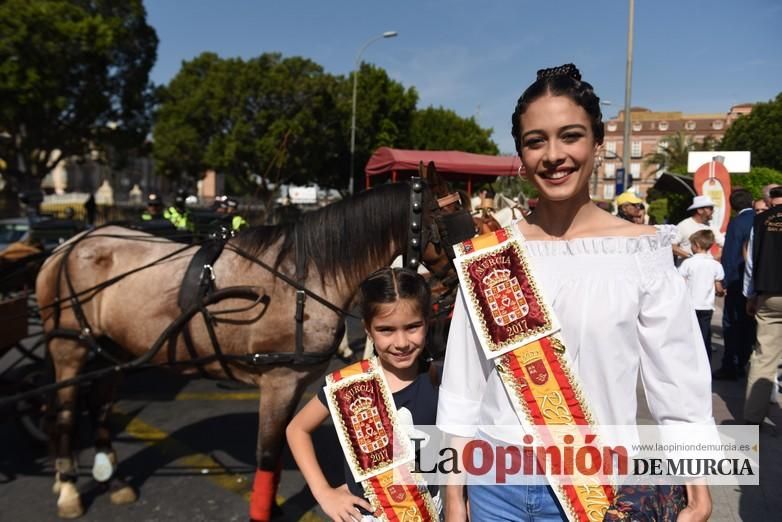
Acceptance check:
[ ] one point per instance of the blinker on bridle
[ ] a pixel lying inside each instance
(447, 230)
(412, 257)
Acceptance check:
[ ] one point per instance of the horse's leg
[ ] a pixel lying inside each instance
(68, 357)
(104, 466)
(344, 351)
(280, 391)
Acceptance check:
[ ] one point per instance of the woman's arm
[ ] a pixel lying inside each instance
(674, 367)
(698, 504)
(337, 503)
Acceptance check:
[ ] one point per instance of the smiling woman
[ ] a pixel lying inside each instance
(557, 261)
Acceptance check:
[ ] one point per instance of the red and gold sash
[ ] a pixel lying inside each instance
(376, 447)
(517, 329)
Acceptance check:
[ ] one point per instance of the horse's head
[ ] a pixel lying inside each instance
(451, 222)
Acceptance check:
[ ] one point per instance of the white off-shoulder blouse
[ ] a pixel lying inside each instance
(623, 308)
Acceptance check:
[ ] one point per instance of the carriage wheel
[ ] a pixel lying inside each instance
(31, 413)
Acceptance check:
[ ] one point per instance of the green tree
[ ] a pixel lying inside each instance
(269, 116)
(759, 132)
(674, 151)
(756, 179)
(74, 77)
(283, 119)
(443, 129)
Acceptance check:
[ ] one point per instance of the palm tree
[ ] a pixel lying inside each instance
(674, 150)
(671, 154)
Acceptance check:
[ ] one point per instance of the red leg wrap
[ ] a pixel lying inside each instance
(262, 497)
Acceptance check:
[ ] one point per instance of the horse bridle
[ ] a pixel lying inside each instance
(451, 224)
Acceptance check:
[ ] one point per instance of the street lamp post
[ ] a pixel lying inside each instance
(628, 82)
(387, 34)
(599, 161)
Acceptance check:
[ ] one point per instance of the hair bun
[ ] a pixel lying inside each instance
(568, 69)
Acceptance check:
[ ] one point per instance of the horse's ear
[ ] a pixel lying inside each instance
(421, 172)
(438, 184)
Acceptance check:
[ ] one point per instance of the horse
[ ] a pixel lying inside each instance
(114, 291)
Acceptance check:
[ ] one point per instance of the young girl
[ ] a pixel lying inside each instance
(395, 309)
(621, 305)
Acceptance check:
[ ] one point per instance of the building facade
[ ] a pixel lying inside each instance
(649, 133)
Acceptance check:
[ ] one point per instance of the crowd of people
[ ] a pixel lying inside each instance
(714, 264)
(224, 208)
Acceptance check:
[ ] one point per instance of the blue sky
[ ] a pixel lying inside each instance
(475, 57)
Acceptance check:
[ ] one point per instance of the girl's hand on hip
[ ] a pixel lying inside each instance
(340, 504)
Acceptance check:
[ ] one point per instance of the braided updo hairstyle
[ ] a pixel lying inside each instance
(564, 80)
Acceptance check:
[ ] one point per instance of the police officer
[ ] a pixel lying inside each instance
(177, 213)
(154, 208)
(232, 211)
(227, 207)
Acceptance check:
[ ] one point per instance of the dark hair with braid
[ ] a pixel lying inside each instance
(388, 285)
(564, 80)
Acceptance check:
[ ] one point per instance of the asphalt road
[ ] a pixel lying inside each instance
(187, 445)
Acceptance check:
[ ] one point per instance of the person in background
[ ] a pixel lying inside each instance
(759, 205)
(629, 207)
(704, 278)
(227, 208)
(177, 213)
(154, 208)
(767, 193)
(232, 212)
(701, 211)
(90, 209)
(641, 218)
(738, 328)
(763, 290)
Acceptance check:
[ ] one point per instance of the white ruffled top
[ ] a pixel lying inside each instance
(624, 312)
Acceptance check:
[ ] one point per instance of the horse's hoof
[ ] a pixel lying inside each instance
(69, 503)
(123, 495)
(102, 468)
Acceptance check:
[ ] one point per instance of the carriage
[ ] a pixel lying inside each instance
(266, 307)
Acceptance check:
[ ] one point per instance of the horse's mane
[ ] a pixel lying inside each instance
(345, 239)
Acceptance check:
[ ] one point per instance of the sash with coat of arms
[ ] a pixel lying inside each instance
(376, 447)
(517, 329)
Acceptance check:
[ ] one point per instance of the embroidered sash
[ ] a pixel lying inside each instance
(376, 447)
(518, 330)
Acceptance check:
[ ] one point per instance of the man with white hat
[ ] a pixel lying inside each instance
(701, 211)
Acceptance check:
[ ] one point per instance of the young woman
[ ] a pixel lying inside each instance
(395, 309)
(611, 283)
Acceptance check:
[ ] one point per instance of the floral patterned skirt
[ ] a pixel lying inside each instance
(647, 504)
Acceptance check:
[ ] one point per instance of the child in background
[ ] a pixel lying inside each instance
(704, 278)
(395, 308)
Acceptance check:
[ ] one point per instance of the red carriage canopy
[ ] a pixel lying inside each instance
(454, 165)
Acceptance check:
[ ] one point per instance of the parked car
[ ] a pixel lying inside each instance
(12, 230)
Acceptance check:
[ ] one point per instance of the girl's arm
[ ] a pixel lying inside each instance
(456, 507)
(337, 503)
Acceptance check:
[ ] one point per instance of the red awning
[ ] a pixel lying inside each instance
(453, 164)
